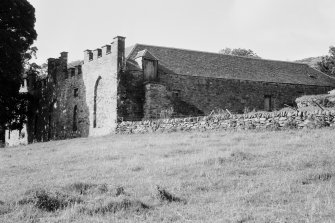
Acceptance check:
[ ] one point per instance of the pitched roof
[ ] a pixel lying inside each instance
(145, 54)
(206, 64)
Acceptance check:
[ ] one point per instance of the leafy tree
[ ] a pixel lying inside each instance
(327, 63)
(17, 33)
(239, 52)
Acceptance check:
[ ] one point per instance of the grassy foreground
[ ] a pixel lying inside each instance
(247, 176)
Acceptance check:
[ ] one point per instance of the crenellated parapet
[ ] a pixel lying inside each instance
(115, 48)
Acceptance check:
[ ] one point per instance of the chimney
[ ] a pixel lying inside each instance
(120, 47)
(63, 56)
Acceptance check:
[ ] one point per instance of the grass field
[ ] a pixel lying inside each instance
(247, 176)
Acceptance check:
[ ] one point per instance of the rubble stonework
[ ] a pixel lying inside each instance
(258, 121)
(114, 84)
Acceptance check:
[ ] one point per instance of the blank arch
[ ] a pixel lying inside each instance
(95, 102)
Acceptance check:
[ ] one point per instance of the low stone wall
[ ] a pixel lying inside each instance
(258, 120)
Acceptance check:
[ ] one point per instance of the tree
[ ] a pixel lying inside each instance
(327, 63)
(17, 34)
(239, 52)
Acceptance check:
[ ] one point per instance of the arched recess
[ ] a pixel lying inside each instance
(75, 117)
(95, 102)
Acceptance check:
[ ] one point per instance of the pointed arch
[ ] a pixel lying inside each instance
(95, 102)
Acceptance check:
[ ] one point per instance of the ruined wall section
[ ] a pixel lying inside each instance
(59, 108)
(101, 73)
(131, 95)
(208, 94)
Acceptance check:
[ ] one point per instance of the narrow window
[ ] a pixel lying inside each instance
(267, 103)
(73, 72)
(8, 134)
(79, 69)
(95, 102)
(75, 92)
(90, 57)
(74, 125)
(175, 93)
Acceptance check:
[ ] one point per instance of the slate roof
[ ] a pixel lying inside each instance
(145, 54)
(215, 65)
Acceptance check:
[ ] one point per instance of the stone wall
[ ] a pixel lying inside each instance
(208, 94)
(157, 100)
(131, 95)
(101, 76)
(260, 120)
(159, 103)
(60, 109)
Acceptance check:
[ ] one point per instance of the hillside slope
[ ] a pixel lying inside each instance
(311, 61)
(219, 176)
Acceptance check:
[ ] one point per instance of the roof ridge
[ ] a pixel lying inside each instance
(132, 50)
(219, 54)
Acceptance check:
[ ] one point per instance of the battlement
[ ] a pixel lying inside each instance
(100, 53)
(90, 55)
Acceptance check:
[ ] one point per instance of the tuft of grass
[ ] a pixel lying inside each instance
(318, 177)
(86, 188)
(114, 206)
(241, 156)
(120, 191)
(163, 195)
(4, 208)
(48, 201)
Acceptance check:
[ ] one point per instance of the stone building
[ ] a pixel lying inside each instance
(114, 84)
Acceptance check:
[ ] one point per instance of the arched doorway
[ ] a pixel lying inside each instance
(96, 101)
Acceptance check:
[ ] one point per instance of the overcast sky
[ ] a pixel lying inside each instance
(274, 29)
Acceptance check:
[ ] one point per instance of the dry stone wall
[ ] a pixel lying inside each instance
(260, 120)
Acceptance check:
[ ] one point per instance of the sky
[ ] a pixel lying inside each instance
(274, 29)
